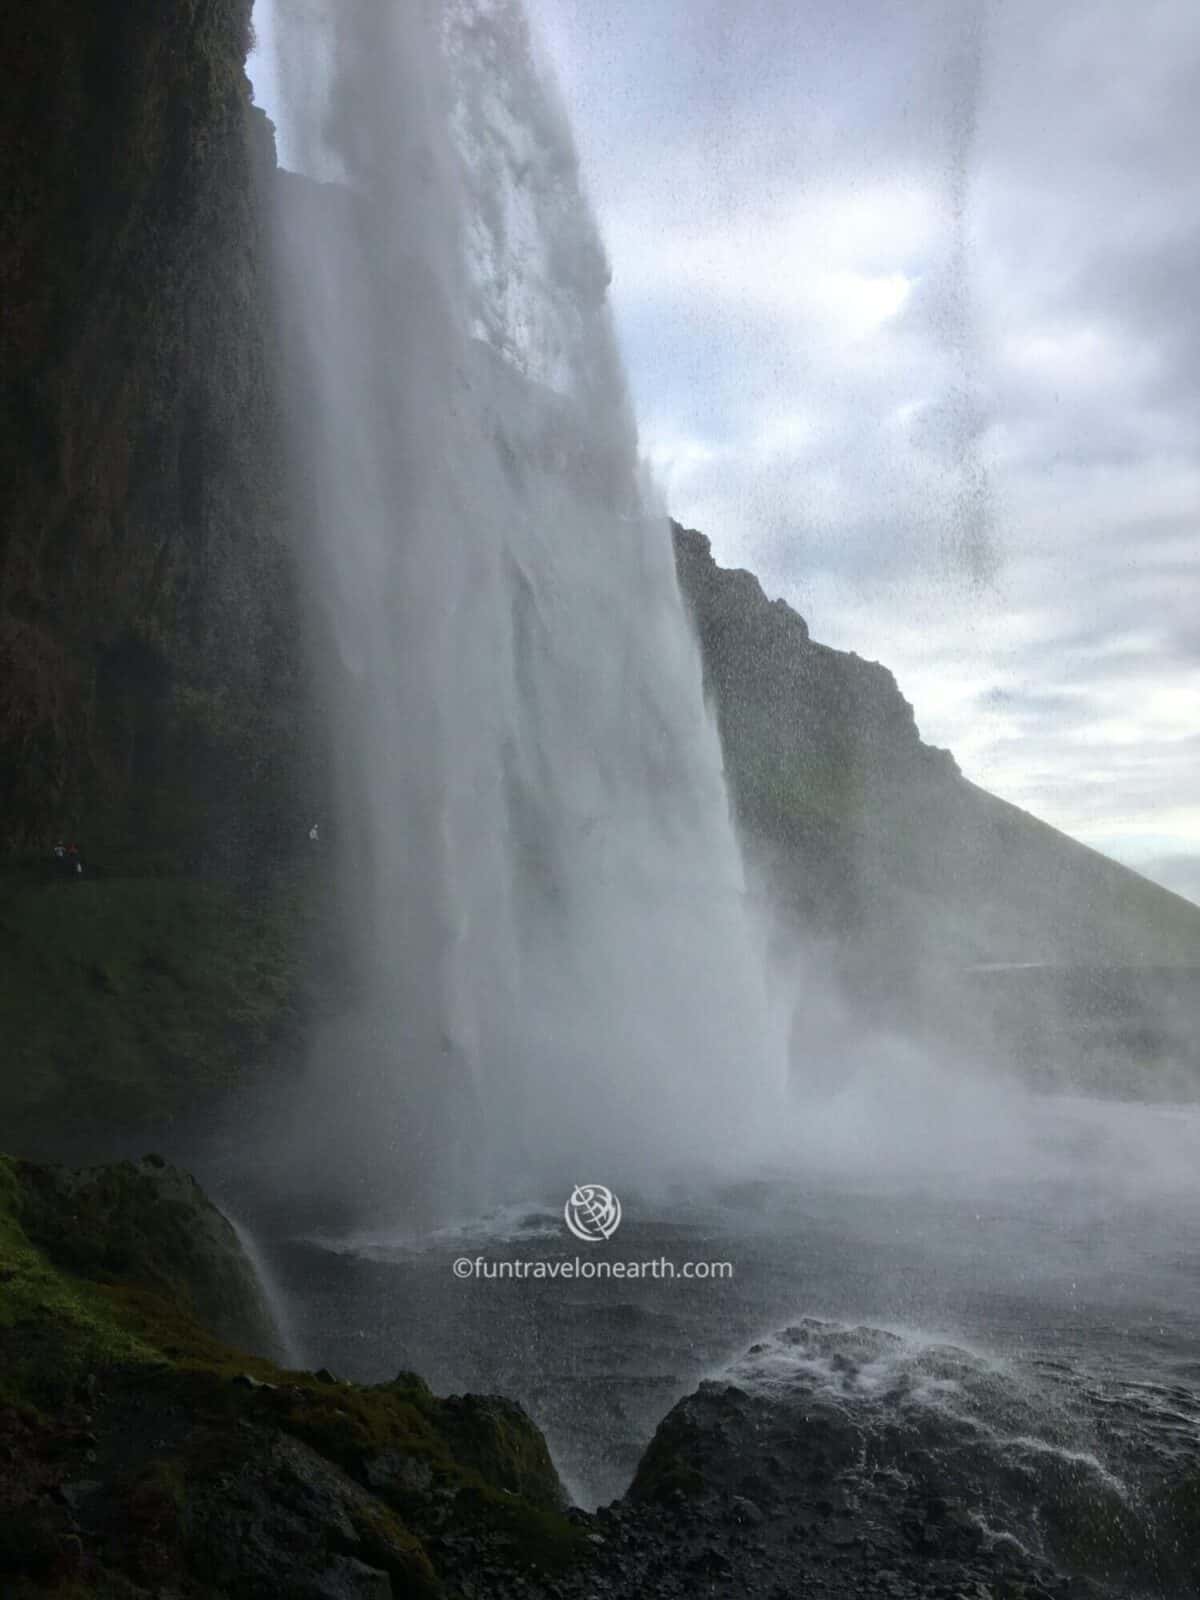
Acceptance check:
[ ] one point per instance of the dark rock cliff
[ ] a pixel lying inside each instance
(149, 679)
(154, 703)
(816, 741)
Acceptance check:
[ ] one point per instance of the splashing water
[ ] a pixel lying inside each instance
(561, 982)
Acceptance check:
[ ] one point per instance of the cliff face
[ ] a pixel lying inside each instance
(817, 742)
(149, 683)
(154, 703)
(874, 843)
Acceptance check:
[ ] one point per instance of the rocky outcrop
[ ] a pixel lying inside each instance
(848, 1463)
(141, 1454)
(147, 1224)
(817, 742)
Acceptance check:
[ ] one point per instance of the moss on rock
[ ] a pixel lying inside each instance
(126, 1003)
(143, 1450)
(148, 1226)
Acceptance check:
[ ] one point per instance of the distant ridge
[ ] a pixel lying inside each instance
(873, 844)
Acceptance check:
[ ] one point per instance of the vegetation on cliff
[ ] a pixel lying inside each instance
(138, 1450)
(877, 835)
(128, 1005)
(872, 844)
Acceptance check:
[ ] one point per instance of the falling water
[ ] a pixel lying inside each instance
(560, 977)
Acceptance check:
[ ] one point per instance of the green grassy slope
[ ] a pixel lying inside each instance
(874, 840)
(125, 1002)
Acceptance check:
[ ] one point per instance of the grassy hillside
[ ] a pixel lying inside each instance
(872, 844)
(126, 1003)
(877, 835)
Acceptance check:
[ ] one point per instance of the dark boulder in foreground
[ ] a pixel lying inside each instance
(846, 1462)
(850, 1461)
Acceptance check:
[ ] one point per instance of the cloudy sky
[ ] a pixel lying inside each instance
(909, 292)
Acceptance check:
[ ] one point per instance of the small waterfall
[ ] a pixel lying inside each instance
(286, 1349)
(561, 981)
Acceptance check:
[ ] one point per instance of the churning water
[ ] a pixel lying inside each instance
(560, 976)
(1022, 1336)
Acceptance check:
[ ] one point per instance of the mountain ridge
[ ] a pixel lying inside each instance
(781, 697)
(907, 884)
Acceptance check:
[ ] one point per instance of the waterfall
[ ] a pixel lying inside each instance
(560, 976)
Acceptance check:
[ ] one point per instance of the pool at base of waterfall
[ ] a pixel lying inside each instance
(1009, 1363)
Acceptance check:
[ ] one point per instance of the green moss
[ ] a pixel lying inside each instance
(464, 1465)
(779, 790)
(498, 1440)
(358, 1429)
(526, 1537)
(484, 1455)
(53, 1328)
(147, 1225)
(388, 1544)
(57, 1324)
(126, 1000)
(353, 1425)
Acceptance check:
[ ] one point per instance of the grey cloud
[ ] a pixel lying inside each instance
(1036, 397)
(1180, 873)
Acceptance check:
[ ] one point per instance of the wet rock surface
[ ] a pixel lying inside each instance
(751, 1504)
(847, 1463)
(178, 1481)
(740, 1502)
